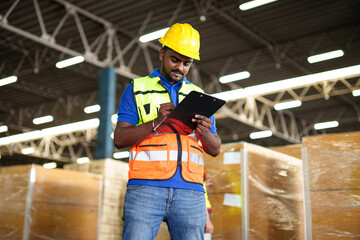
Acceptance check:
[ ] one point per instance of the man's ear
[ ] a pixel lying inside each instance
(161, 54)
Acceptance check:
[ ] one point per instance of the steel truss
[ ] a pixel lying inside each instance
(65, 147)
(256, 111)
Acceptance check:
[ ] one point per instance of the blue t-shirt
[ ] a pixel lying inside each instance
(128, 113)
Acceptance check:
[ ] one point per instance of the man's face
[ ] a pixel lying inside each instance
(174, 66)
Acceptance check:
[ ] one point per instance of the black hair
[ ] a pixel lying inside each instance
(165, 48)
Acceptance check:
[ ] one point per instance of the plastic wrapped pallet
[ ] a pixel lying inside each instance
(38, 203)
(115, 174)
(291, 150)
(257, 193)
(333, 163)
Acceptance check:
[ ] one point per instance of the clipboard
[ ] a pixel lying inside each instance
(180, 119)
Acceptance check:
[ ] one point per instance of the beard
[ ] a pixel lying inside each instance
(174, 75)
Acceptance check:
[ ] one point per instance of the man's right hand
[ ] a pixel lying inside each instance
(164, 110)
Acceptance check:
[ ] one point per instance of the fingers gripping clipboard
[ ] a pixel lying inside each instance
(180, 119)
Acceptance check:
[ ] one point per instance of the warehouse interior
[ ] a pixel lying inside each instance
(272, 43)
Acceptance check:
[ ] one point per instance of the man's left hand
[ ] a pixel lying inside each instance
(203, 124)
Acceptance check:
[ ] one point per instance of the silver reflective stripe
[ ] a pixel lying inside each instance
(196, 158)
(173, 155)
(162, 156)
(132, 155)
(153, 156)
(150, 156)
(184, 157)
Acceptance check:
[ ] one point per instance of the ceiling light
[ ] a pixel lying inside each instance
(3, 128)
(123, 154)
(92, 108)
(50, 165)
(324, 125)
(52, 131)
(325, 56)
(261, 134)
(114, 118)
(254, 4)
(234, 77)
(153, 35)
(29, 150)
(82, 160)
(42, 120)
(272, 87)
(70, 62)
(356, 93)
(8, 80)
(287, 105)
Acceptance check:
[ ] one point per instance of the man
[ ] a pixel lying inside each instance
(165, 169)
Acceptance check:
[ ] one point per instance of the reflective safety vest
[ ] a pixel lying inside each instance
(149, 94)
(158, 156)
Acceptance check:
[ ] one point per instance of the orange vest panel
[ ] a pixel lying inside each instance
(158, 156)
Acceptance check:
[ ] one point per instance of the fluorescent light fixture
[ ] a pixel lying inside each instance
(8, 80)
(324, 125)
(52, 131)
(3, 128)
(325, 56)
(254, 4)
(356, 93)
(29, 150)
(287, 105)
(234, 77)
(70, 61)
(82, 160)
(261, 134)
(114, 118)
(153, 35)
(50, 165)
(43, 119)
(123, 154)
(296, 82)
(92, 108)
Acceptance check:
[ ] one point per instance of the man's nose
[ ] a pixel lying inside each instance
(180, 66)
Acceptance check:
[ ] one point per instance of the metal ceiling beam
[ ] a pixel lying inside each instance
(50, 41)
(66, 147)
(253, 119)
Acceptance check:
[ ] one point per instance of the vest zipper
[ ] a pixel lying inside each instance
(179, 150)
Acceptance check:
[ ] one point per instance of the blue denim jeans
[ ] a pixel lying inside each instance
(146, 207)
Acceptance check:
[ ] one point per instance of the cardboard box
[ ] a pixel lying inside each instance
(115, 174)
(333, 162)
(257, 190)
(48, 203)
(292, 150)
(336, 214)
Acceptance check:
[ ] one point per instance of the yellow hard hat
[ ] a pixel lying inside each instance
(184, 39)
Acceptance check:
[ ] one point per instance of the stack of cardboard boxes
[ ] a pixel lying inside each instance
(258, 193)
(39, 203)
(333, 162)
(115, 175)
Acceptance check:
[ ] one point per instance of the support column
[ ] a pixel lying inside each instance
(107, 92)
